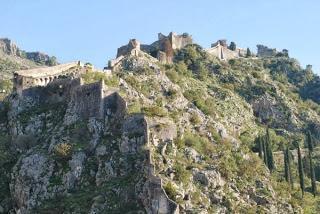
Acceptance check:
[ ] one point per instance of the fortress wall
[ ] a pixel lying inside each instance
(87, 100)
(115, 105)
(264, 51)
(47, 71)
(215, 51)
(57, 91)
(223, 53)
(133, 44)
(25, 79)
(180, 41)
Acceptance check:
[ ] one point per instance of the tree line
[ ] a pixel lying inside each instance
(266, 154)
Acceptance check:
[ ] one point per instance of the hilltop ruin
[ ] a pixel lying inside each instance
(221, 50)
(163, 49)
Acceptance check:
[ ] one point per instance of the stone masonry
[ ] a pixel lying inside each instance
(25, 79)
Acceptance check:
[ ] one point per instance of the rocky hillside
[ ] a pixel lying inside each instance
(175, 137)
(12, 58)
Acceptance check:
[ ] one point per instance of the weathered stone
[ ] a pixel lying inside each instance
(30, 180)
(209, 178)
(76, 165)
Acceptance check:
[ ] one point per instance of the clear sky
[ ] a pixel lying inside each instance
(92, 30)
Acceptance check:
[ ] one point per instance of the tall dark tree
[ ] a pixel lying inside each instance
(248, 54)
(270, 160)
(289, 159)
(312, 173)
(260, 145)
(265, 156)
(287, 166)
(232, 46)
(300, 169)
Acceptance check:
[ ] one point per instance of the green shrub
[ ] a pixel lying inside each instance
(195, 119)
(63, 151)
(91, 77)
(200, 144)
(181, 174)
(173, 76)
(206, 105)
(154, 111)
(170, 191)
(171, 93)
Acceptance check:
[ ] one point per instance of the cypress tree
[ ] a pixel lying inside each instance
(260, 147)
(309, 141)
(265, 157)
(313, 177)
(270, 161)
(286, 167)
(233, 46)
(312, 173)
(300, 167)
(248, 54)
(288, 153)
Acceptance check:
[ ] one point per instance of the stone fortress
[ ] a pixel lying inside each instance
(163, 49)
(221, 50)
(64, 83)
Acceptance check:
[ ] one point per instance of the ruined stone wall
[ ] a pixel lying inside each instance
(25, 79)
(87, 101)
(124, 50)
(114, 104)
(58, 90)
(220, 50)
(264, 51)
(180, 41)
(223, 53)
(154, 197)
(167, 45)
(136, 140)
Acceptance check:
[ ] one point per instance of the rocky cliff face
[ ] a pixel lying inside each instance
(174, 138)
(8, 47)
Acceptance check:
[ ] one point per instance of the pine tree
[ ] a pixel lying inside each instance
(312, 173)
(300, 167)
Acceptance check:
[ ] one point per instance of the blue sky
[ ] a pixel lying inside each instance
(93, 30)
